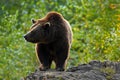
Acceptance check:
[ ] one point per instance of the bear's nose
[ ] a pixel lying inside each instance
(25, 37)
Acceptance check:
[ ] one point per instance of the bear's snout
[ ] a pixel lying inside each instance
(30, 38)
(25, 37)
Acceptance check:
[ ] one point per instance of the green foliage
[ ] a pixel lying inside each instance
(95, 25)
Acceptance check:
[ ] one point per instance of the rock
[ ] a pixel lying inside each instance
(94, 70)
(116, 77)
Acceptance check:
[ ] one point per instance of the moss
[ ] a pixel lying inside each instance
(109, 72)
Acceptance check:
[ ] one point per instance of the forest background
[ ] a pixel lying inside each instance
(95, 25)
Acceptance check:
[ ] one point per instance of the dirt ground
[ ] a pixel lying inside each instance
(94, 70)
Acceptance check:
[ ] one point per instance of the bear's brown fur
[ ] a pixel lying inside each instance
(53, 37)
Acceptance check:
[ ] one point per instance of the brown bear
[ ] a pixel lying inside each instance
(53, 37)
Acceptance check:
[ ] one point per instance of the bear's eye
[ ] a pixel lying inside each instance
(32, 33)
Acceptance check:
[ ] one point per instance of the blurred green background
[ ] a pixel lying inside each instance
(95, 25)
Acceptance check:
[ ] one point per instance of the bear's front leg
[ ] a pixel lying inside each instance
(44, 57)
(61, 60)
(60, 65)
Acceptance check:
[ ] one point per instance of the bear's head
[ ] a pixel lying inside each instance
(46, 29)
(40, 32)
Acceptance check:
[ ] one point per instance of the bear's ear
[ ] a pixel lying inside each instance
(33, 21)
(47, 24)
